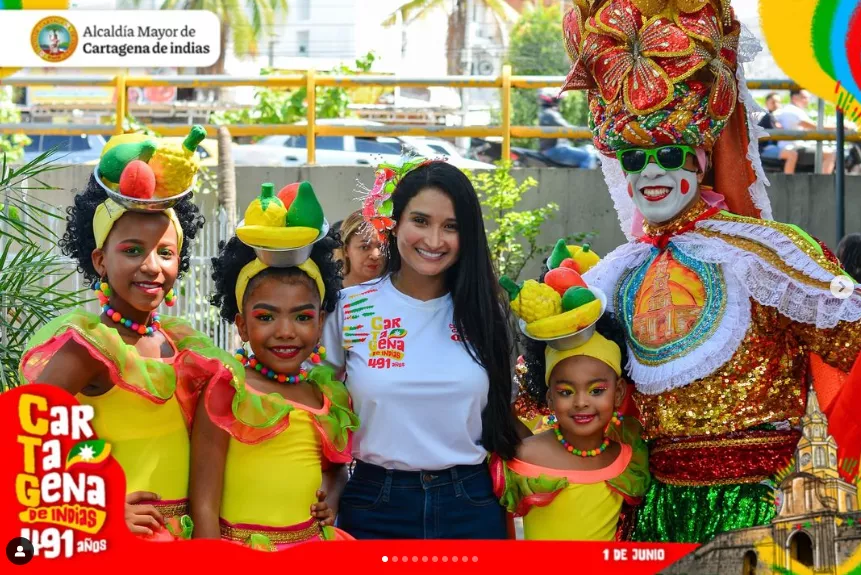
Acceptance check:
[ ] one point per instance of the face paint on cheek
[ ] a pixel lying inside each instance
(630, 190)
(686, 187)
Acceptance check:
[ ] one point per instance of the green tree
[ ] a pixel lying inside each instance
(247, 23)
(512, 233)
(288, 106)
(457, 18)
(537, 49)
(11, 145)
(32, 278)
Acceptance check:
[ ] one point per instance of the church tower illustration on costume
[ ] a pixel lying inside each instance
(670, 303)
(817, 451)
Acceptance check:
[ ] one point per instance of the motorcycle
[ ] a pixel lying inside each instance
(807, 161)
(491, 151)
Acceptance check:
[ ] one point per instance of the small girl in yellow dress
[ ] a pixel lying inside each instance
(269, 447)
(580, 479)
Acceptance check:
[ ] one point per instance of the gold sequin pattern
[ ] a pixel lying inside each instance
(839, 346)
(690, 214)
(730, 481)
(276, 537)
(766, 254)
(796, 238)
(743, 441)
(762, 383)
(172, 509)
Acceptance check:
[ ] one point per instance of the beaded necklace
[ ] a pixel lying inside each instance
(242, 356)
(554, 424)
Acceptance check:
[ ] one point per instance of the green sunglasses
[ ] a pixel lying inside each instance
(635, 160)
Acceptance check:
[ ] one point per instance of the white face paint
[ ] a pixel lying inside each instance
(661, 195)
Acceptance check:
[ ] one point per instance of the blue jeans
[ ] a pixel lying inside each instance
(570, 156)
(454, 503)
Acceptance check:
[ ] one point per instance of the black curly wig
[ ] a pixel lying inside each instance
(234, 255)
(78, 242)
(533, 356)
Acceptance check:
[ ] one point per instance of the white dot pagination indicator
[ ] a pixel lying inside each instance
(432, 559)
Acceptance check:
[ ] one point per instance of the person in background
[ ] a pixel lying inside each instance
(771, 149)
(361, 252)
(849, 254)
(794, 117)
(560, 151)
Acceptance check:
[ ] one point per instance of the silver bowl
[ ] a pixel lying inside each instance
(576, 339)
(141, 205)
(290, 257)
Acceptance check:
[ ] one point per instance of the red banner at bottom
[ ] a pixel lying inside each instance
(62, 503)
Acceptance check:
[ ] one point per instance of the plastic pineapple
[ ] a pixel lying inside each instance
(175, 165)
(271, 223)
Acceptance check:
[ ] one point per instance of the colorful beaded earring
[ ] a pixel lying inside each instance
(103, 292)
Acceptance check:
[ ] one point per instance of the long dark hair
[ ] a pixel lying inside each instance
(849, 254)
(479, 311)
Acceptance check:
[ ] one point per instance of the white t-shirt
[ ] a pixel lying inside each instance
(417, 392)
(790, 116)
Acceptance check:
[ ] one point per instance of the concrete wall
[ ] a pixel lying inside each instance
(585, 205)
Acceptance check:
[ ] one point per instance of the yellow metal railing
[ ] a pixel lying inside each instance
(310, 80)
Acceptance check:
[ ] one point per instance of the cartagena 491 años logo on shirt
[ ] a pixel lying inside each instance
(54, 39)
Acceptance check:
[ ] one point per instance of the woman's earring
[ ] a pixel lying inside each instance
(319, 354)
(240, 354)
(103, 290)
(615, 420)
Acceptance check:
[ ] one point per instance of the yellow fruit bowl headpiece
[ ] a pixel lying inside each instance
(562, 310)
(142, 173)
(283, 228)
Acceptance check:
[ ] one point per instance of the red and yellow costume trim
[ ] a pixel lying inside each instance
(608, 494)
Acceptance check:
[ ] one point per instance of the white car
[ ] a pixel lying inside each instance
(342, 150)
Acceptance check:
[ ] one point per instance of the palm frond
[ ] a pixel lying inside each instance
(35, 281)
(503, 10)
(413, 10)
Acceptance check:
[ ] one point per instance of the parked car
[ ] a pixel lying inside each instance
(83, 149)
(435, 147)
(341, 150)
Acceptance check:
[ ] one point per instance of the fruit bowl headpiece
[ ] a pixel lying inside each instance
(145, 174)
(562, 310)
(377, 204)
(282, 229)
(662, 72)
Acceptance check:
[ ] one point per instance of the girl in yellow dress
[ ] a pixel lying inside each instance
(131, 366)
(579, 479)
(269, 447)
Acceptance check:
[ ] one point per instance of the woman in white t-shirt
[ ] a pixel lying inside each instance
(427, 355)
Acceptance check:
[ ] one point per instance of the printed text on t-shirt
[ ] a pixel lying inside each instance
(387, 343)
